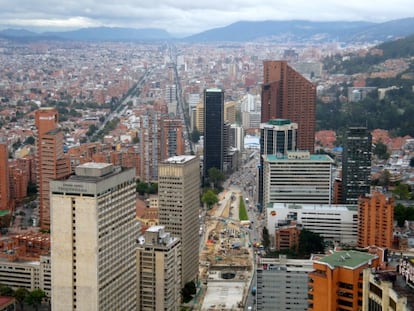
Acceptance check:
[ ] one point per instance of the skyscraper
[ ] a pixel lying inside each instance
(4, 177)
(356, 164)
(286, 94)
(159, 271)
(178, 203)
(52, 164)
(94, 234)
(276, 137)
(213, 130)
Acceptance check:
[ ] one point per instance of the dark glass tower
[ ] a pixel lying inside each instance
(213, 130)
(276, 137)
(356, 164)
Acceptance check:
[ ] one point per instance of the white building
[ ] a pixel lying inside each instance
(297, 177)
(94, 233)
(337, 223)
(159, 271)
(26, 274)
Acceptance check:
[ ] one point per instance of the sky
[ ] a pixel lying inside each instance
(183, 17)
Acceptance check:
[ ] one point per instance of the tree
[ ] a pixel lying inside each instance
(209, 198)
(216, 177)
(6, 290)
(402, 191)
(30, 140)
(20, 294)
(188, 291)
(381, 151)
(385, 178)
(309, 242)
(142, 187)
(195, 136)
(265, 238)
(35, 298)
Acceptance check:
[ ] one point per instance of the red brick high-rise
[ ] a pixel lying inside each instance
(52, 164)
(286, 94)
(4, 177)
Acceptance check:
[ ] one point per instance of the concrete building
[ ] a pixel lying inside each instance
(4, 177)
(286, 94)
(356, 165)
(213, 152)
(230, 112)
(150, 144)
(52, 164)
(335, 283)
(277, 137)
(178, 203)
(159, 271)
(336, 223)
(375, 220)
(283, 283)
(287, 236)
(381, 291)
(27, 274)
(172, 139)
(94, 234)
(297, 177)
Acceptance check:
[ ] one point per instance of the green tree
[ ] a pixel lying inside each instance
(6, 290)
(188, 291)
(402, 191)
(216, 177)
(309, 242)
(209, 198)
(265, 238)
(153, 188)
(30, 140)
(142, 187)
(399, 214)
(35, 298)
(385, 178)
(195, 135)
(20, 294)
(381, 151)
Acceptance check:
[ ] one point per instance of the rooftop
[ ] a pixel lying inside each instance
(313, 207)
(285, 158)
(347, 259)
(179, 159)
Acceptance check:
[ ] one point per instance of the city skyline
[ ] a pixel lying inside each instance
(184, 18)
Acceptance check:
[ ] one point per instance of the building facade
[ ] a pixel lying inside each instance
(178, 203)
(51, 162)
(336, 282)
(290, 291)
(159, 271)
(286, 94)
(297, 177)
(356, 164)
(277, 137)
(375, 220)
(213, 154)
(336, 223)
(4, 177)
(94, 234)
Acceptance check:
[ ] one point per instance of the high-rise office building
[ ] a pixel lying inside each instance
(213, 130)
(356, 165)
(286, 94)
(52, 164)
(94, 233)
(375, 220)
(172, 140)
(4, 177)
(297, 177)
(178, 203)
(159, 271)
(277, 137)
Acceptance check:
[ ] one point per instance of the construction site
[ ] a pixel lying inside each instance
(226, 257)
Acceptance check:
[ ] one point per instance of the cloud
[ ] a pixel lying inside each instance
(190, 16)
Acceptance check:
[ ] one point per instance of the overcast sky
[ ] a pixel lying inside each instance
(189, 16)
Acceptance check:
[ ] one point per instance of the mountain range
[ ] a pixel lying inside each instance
(276, 31)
